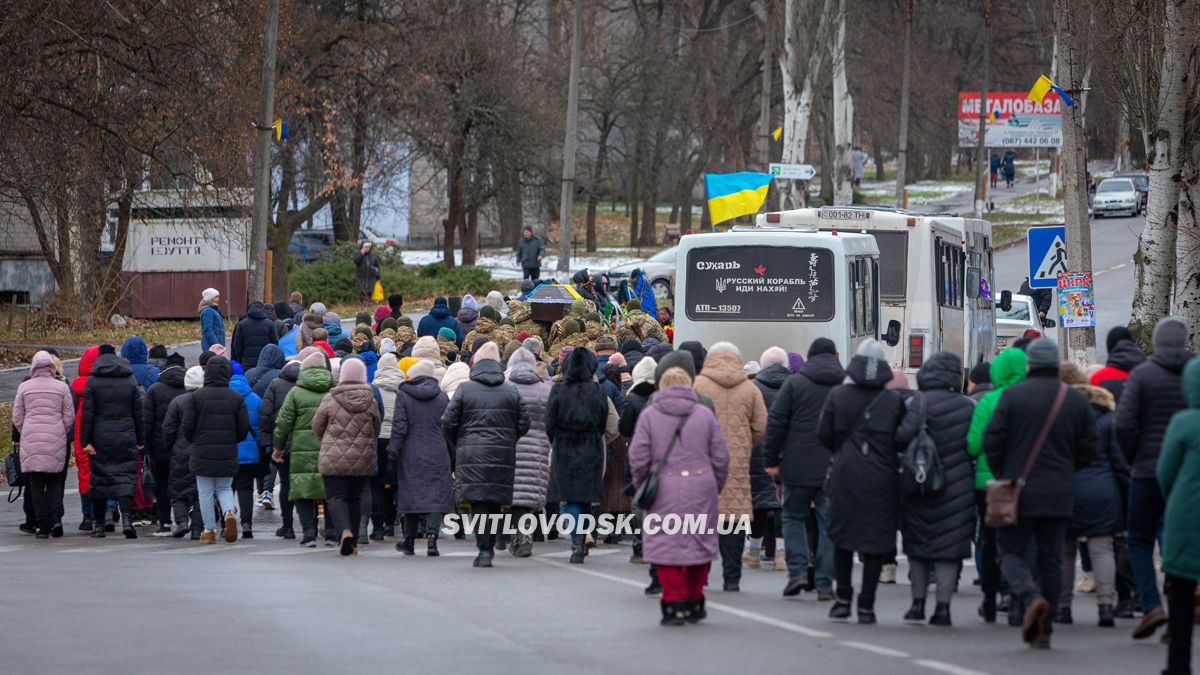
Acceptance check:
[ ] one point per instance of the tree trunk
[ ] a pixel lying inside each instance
(905, 86)
(1187, 279)
(1072, 71)
(470, 244)
(843, 116)
(799, 88)
(597, 177)
(1154, 263)
(509, 204)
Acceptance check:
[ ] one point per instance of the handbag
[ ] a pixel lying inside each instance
(921, 471)
(1004, 496)
(648, 490)
(13, 475)
(864, 422)
(148, 481)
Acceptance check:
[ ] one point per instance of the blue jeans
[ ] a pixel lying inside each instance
(1145, 516)
(576, 509)
(222, 488)
(795, 535)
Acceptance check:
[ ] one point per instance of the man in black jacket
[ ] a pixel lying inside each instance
(1047, 499)
(793, 453)
(483, 422)
(530, 252)
(158, 397)
(214, 422)
(251, 334)
(1151, 395)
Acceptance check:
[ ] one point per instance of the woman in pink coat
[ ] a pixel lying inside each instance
(688, 486)
(44, 412)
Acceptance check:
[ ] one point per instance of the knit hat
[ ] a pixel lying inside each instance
(509, 349)
(725, 348)
(478, 343)
(315, 360)
(522, 336)
(362, 319)
(386, 361)
(773, 356)
(489, 312)
(317, 308)
(1043, 353)
(618, 359)
(822, 346)
(387, 323)
(354, 371)
(644, 371)
(981, 373)
(697, 351)
(193, 379)
(158, 352)
(427, 348)
(422, 369)
(468, 302)
(521, 356)
(487, 352)
(217, 349)
(344, 346)
(871, 349)
(495, 299)
(606, 344)
(331, 317)
(203, 360)
(526, 286)
(387, 346)
(1116, 335)
(209, 294)
(658, 351)
(320, 334)
(534, 344)
(899, 380)
(630, 346)
(448, 334)
(751, 367)
(305, 353)
(634, 305)
(176, 359)
(1170, 332)
(404, 321)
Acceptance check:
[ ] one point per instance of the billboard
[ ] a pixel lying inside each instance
(1014, 121)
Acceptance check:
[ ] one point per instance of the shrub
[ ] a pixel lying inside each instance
(332, 280)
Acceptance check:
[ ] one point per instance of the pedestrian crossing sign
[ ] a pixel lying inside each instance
(1047, 247)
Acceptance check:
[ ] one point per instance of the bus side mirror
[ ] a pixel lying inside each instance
(892, 336)
(1005, 301)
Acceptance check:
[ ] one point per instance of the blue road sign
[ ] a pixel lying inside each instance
(1047, 247)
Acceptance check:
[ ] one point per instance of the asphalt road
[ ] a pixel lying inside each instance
(80, 605)
(1114, 241)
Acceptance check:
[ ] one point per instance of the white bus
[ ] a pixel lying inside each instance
(759, 287)
(935, 280)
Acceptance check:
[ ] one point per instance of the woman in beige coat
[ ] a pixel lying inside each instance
(743, 418)
(347, 423)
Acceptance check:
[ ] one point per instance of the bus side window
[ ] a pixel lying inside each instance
(950, 261)
(871, 279)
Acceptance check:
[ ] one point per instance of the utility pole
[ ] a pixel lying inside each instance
(905, 79)
(981, 145)
(262, 163)
(1071, 74)
(568, 179)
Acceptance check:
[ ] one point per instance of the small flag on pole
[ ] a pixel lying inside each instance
(281, 130)
(1044, 86)
(777, 133)
(735, 194)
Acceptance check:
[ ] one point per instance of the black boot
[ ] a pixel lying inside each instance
(376, 528)
(406, 546)
(431, 549)
(127, 525)
(86, 525)
(654, 588)
(1107, 614)
(98, 527)
(696, 612)
(577, 549)
(484, 559)
(917, 611)
(866, 613)
(841, 606)
(987, 610)
(673, 613)
(1064, 616)
(941, 615)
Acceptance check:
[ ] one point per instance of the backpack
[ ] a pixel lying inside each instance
(921, 473)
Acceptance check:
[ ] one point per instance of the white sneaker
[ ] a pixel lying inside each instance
(888, 574)
(1086, 583)
(266, 503)
(752, 557)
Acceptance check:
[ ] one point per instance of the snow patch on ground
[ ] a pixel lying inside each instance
(923, 192)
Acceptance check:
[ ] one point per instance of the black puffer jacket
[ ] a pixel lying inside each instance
(791, 441)
(272, 401)
(111, 422)
(940, 528)
(251, 334)
(576, 413)
(864, 496)
(1101, 487)
(214, 422)
(1152, 394)
(635, 401)
(484, 420)
(1071, 444)
(182, 481)
(154, 410)
(769, 381)
(270, 361)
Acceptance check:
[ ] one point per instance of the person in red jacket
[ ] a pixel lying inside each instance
(1123, 356)
(81, 457)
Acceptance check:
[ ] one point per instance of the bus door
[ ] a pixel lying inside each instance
(949, 260)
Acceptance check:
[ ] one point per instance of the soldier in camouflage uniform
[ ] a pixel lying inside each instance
(638, 325)
(489, 327)
(522, 318)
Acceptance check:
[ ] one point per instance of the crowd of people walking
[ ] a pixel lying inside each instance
(380, 432)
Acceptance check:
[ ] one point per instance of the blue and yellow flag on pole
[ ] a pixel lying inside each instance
(735, 194)
(1045, 85)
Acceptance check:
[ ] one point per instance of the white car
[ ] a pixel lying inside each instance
(1021, 320)
(659, 268)
(1117, 195)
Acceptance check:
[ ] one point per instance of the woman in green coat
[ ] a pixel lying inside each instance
(1179, 478)
(293, 430)
(1007, 370)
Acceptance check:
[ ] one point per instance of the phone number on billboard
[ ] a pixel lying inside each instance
(725, 309)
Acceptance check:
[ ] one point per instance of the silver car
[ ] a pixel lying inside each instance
(658, 268)
(1117, 195)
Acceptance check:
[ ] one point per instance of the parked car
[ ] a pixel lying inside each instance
(659, 268)
(1140, 181)
(1021, 320)
(1117, 195)
(311, 245)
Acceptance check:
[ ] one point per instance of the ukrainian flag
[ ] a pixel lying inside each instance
(735, 194)
(1045, 85)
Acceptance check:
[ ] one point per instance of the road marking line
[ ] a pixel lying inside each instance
(875, 649)
(944, 667)
(10, 549)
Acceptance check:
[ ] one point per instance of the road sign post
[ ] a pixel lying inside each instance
(792, 171)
